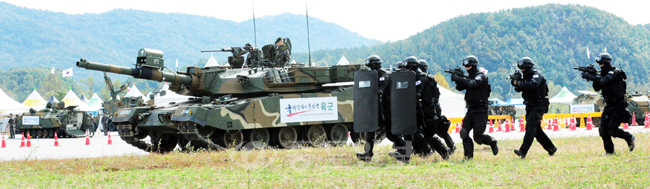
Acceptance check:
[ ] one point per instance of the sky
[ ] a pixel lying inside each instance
(385, 20)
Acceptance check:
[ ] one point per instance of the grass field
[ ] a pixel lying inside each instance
(579, 163)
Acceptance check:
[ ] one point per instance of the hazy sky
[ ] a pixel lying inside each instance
(378, 19)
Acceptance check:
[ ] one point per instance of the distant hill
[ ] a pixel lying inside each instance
(555, 36)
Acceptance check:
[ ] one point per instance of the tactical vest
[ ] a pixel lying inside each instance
(478, 96)
(614, 91)
(538, 95)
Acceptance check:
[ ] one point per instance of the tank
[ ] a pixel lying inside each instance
(111, 106)
(55, 119)
(639, 104)
(234, 108)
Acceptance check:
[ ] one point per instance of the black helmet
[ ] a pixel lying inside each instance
(373, 59)
(525, 62)
(423, 65)
(470, 60)
(411, 61)
(399, 65)
(604, 58)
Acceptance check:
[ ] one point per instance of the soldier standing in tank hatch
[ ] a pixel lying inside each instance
(534, 90)
(476, 98)
(612, 83)
(374, 63)
(441, 129)
(254, 57)
(426, 93)
(282, 54)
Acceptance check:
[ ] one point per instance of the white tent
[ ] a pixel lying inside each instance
(10, 105)
(564, 97)
(343, 61)
(135, 92)
(71, 99)
(35, 101)
(170, 96)
(211, 62)
(83, 98)
(52, 99)
(95, 102)
(452, 104)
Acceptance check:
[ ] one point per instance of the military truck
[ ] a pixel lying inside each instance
(241, 107)
(55, 119)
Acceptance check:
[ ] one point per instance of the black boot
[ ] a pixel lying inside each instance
(552, 151)
(400, 157)
(630, 143)
(495, 148)
(520, 154)
(364, 156)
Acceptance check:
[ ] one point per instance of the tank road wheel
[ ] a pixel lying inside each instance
(316, 135)
(230, 140)
(50, 133)
(338, 134)
(285, 137)
(258, 138)
(163, 144)
(44, 133)
(39, 134)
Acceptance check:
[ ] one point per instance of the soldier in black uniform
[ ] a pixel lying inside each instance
(374, 63)
(534, 90)
(612, 83)
(439, 127)
(476, 99)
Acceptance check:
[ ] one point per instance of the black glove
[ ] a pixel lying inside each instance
(455, 78)
(512, 82)
(588, 76)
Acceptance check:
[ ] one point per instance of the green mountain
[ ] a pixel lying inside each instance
(555, 36)
(36, 38)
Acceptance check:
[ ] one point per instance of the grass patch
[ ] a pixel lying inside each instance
(579, 163)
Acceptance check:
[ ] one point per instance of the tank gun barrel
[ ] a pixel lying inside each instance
(141, 72)
(219, 50)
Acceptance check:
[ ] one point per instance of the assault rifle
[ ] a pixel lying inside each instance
(589, 69)
(458, 71)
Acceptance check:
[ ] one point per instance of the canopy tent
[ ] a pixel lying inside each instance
(83, 98)
(564, 97)
(452, 104)
(10, 105)
(135, 92)
(35, 101)
(52, 99)
(95, 102)
(170, 96)
(497, 102)
(71, 99)
(211, 62)
(343, 61)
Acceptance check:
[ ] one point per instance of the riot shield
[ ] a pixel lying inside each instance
(403, 103)
(366, 101)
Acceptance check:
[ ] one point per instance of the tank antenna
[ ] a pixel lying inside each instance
(254, 26)
(308, 43)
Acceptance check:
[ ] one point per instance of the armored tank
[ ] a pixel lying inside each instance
(233, 108)
(55, 119)
(639, 104)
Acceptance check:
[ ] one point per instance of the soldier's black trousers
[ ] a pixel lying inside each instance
(612, 117)
(370, 140)
(476, 121)
(11, 131)
(534, 129)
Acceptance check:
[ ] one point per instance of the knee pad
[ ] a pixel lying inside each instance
(464, 133)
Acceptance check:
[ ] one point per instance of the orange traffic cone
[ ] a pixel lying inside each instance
(110, 141)
(573, 123)
(4, 145)
(556, 127)
(458, 126)
(522, 126)
(56, 139)
(590, 124)
(512, 124)
(499, 126)
(29, 142)
(646, 123)
(625, 126)
(87, 139)
(634, 120)
(491, 126)
(22, 140)
(550, 124)
(507, 125)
